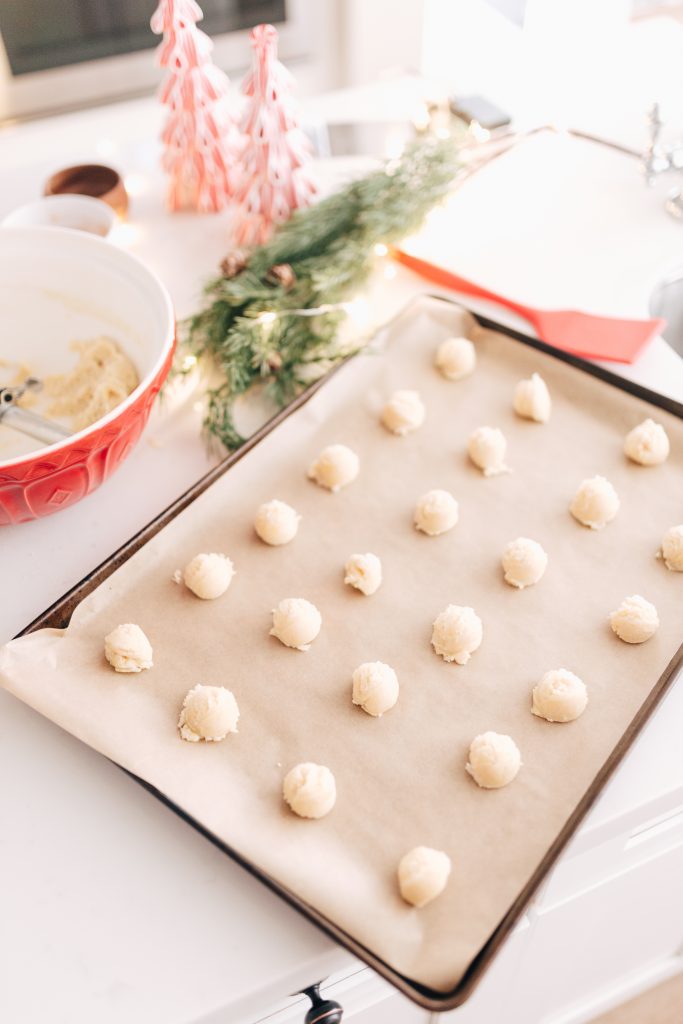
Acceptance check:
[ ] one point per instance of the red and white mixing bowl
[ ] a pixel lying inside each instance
(58, 286)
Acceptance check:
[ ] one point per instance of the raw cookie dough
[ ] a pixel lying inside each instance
(276, 522)
(647, 444)
(127, 649)
(457, 633)
(494, 760)
(310, 790)
(672, 548)
(335, 467)
(524, 562)
(532, 399)
(423, 874)
(103, 378)
(635, 620)
(486, 448)
(375, 687)
(364, 573)
(596, 503)
(436, 512)
(559, 696)
(456, 358)
(403, 412)
(208, 713)
(296, 623)
(208, 576)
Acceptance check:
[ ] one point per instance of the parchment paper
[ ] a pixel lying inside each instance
(401, 779)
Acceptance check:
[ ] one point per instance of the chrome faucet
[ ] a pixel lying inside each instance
(660, 157)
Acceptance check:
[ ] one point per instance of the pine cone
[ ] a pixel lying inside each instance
(234, 263)
(281, 274)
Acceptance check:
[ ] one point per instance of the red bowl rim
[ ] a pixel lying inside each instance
(149, 377)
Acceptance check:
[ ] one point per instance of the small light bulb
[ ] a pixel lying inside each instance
(267, 318)
(189, 362)
(381, 249)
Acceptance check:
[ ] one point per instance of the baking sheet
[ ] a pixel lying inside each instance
(400, 779)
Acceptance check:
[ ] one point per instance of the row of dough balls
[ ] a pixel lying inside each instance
(595, 503)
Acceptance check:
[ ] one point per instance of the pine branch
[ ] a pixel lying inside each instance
(329, 247)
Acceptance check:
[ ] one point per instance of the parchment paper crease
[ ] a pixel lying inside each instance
(401, 779)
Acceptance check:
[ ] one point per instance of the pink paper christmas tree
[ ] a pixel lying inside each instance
(201, 141)
(273, 178)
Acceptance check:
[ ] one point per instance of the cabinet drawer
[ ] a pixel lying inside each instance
(616, 855)
(584, 944)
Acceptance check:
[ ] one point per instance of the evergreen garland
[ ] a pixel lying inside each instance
(318, 258)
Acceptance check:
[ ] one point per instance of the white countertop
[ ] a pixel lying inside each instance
(117, 910)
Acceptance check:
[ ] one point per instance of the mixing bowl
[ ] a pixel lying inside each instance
(58, 286)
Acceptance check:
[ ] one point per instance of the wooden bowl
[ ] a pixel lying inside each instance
(90, 180)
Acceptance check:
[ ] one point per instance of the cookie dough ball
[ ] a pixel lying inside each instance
(457, 633)
(310, 790)
(596, 503)
(375, 687)
(532, 399)
(672, 548)
(276, 522)
(635, 620)
(403, 412)
(296, 623)
(647, 444)
(456, 358)
(364, 573)
(559, 696)
(335, 467)
(494, 760)
(127, 649)
(423, 874)
(208, 576)
(524, 562)
(486, 448)
(436, 512)
(208, 713)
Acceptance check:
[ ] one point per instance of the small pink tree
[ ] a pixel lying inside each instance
(273, 178)
(200, 139)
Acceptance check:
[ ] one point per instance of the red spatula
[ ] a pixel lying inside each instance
(583, 334)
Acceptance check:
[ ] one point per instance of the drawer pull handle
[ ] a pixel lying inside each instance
(322, 1011)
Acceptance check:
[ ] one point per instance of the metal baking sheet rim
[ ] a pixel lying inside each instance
(58, 615)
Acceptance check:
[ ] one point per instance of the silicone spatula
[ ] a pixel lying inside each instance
(582, 334)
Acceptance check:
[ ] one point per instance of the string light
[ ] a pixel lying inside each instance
(381, 249)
